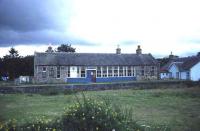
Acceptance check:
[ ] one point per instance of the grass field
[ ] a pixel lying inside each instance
(178, 109)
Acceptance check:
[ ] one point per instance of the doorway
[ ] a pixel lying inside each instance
(91, 74)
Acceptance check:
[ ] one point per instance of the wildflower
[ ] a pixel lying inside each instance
(92, 117)
(97, 128)
(113, 129)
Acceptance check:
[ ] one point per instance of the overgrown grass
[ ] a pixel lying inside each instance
(160, 109)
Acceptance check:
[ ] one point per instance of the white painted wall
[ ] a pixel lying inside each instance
(173, 69)
(73, 72)
(195, 72)
(183, 75)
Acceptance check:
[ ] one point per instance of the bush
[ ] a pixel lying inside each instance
(92, 115)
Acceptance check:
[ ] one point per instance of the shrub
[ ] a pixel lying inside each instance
(92, 115)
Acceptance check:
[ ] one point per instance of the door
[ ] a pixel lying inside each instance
(91, 74)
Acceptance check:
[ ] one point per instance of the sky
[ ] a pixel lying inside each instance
(159, 26)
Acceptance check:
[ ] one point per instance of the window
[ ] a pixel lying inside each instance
(116, 71)
(99, 71)
(132, 71)
(129, 71)
(142, 70)
(152, 71)
(125, 71)
(104, 69)
(78, 71)
(58, 71)
(82, 71)
(68, 71)
(44, 74)
(120, 71)
(44, 69)
(51, 72)
(110, 71)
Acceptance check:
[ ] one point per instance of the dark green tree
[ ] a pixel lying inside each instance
(13, 53)
(13, 65)
(66, 48)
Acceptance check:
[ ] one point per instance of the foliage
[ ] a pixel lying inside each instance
(65, 48)
(13, 53)
(163, 61)
(91, 115)
(14, 66)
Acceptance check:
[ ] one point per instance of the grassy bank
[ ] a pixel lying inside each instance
(178, 109)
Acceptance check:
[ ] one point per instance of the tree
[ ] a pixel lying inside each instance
(65, 48)
(13, 54)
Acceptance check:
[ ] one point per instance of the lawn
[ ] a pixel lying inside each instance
(178, 109)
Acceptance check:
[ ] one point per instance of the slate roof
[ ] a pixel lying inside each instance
(93, 59)
(184, 63)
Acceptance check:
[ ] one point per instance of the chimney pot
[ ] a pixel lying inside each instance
(139, 50)
(118, 50)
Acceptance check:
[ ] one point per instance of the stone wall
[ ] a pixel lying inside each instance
(111, 86)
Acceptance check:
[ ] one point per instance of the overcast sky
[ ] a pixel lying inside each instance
(159, 26)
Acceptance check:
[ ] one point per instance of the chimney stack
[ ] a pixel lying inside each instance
(139, 50)
(49, 50)
(118, 50)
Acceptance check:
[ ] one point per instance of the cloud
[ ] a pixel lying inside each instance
(33, 15)
(27, 22)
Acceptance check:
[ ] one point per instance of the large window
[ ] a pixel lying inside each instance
(104, 69)
(116, 71)
(125, 70)
(129, 71)
(152, 71)
(120, 71)
(68, 71)
(51, 72)
(132, 71)
(109, 71)
(82, 71)
(44, 70)
(58, 71)
(99, 71)
(142, 70)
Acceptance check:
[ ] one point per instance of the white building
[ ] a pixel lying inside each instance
(187, 68)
